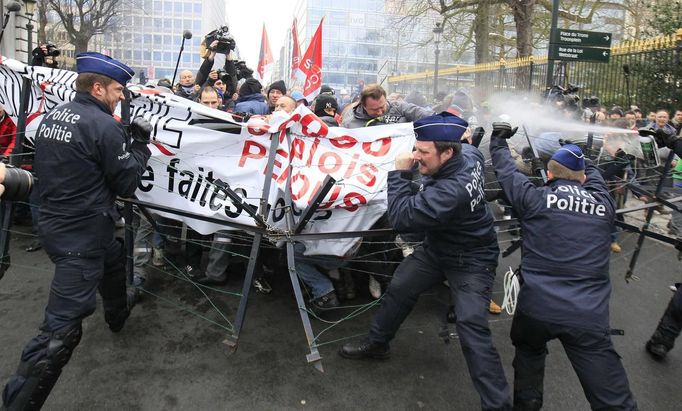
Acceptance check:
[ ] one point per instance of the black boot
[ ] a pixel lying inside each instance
(659, 345)
(365, 349)
(324, 303)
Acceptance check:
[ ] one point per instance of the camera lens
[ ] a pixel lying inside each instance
(18, 184)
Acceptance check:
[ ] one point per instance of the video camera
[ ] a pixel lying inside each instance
(225, 41)
(223, 75)
(243, 72)
(45, 55)
(566, 98)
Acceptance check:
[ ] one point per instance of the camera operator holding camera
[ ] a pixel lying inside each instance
(83, 160)
(45, 55)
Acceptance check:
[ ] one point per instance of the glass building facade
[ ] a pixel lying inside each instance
(361, 43)
(148, 37)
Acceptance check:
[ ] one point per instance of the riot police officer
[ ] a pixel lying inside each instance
(460, 245)
(83, 160)
(565, 289)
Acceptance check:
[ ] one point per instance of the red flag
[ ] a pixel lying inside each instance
(311, 65)
(265, 58)
(295, 51)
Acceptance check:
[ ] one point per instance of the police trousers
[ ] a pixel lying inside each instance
(470, 275)
(590, 352)
(73, 297)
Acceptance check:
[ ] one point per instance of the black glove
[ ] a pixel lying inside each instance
(477, 136)
(537, 165)
(503, 130)
(664, 139)
(563, 142)
(141, 130)
(646, 132)
(623, 156)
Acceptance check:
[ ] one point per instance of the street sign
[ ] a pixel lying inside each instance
(582, 38)
(569, 53)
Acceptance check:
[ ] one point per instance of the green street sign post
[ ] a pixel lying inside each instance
(580, 45)
(571, 53)
(582, 38)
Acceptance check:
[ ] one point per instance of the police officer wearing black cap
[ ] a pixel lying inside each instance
(565, 286)
(460, 246)
(83, 161)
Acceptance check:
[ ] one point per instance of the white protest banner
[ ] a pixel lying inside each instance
(198, 152)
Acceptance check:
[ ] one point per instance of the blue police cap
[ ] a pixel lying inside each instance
(92, 62)
(440, 127)
(570, 156)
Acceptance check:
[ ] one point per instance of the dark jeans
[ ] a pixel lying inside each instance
(470, 275)
(671, 322)
(592, 356)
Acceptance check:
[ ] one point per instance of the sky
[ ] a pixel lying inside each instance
(245, 20)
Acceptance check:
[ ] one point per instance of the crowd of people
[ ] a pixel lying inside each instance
(436, 201)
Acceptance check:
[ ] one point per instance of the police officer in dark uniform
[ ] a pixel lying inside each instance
(83, 160)
(565, 288)
(460, 246)
(670, 325)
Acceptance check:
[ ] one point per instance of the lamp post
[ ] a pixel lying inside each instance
(30, 10)
(12, 7)
(437, 31)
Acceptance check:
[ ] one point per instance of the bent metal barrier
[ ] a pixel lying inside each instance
(314, 183)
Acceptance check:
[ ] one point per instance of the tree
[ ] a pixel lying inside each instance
(666, 18)
(83, 19)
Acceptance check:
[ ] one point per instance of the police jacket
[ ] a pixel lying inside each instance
(450, 207)
(566, 229)
(398, 112)
(83, 163)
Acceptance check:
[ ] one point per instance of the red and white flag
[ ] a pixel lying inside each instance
(311, 65)
(265, 59)
(295, 52)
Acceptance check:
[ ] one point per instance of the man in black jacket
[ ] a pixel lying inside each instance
(565, 289)
(670, 325)
(460, 246)
(83, 160)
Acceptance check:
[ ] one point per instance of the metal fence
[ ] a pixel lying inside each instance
(646, 73)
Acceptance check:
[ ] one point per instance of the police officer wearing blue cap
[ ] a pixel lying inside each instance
(460, 246)
(565, 286)
(83, 161)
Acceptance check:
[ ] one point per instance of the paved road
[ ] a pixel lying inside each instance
(168, 358)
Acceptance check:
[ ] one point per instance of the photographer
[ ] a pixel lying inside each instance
(84, 160)
(45, 55)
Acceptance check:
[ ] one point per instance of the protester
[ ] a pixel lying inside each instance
(251, 100)
(565, 286)
(374, 109)
(670, 325)
(300, 99)
(286, 104)
(326, 108)
(460, 246)
(275, 91)
(80, 178)
(185, 88)
(8, 133)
